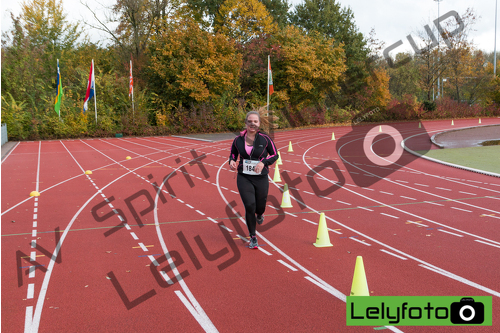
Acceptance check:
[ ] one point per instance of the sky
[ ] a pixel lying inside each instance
(392, 20)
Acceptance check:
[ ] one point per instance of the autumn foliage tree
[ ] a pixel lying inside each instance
(311, 67)
(190, 66)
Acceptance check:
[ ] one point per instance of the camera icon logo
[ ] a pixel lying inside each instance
(467, 311)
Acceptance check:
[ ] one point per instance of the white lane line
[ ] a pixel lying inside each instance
(423, 225)
(451, 233)
(127, 226)
(211, 219)
(121, 218)
(493, 198)
(421, 184)
(359, 241)
(324, 197)
(480, 241)
(32, 272)
(35, 210)
(332, 290)
(31, 291)
(466, 193)
(401, 181)
(433, 203)
(33, 244)
(351, 185)
(402, 196)
(441, 188)
(33, 256)
(335, 231)
(144, 248)
(33, 233)
(201, 213)
(287, 265)
(34, 216)
(134, 236)
(393, 254)
(460, 279)
(370, 210)
(224, 227)
(291, 214)
(225, 188)
(345, 203)
(153, 260)
(28, 318)
(310, 222)
(464, 210)
(308, 192)
(190, 206)
(474, 181)
(394, 217)
(262, 250)
(386, 193)
(180, 200)
(234, 192)
(369, 189)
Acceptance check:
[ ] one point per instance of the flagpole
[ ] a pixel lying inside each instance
(59, 83)
(268, 62)
(133, 109)
(95, 97)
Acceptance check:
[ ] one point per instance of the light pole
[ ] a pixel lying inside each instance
(439, 33)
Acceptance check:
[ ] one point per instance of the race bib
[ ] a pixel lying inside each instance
(249, 167)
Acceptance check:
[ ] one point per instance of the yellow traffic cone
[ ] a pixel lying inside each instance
(333, 136)
(285, 201)
(380, 128)
(480, 120)
(128, 158)
(419, 124)
(279, 162)
(359, 283)
(277, 177)
(34, 194)
(290, 147)
(323, 238)
(452, 122)
(88, 172)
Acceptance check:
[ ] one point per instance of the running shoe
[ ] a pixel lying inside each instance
(260, 219)
(253, 243)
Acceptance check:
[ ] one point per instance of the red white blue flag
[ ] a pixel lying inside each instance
(90, 87)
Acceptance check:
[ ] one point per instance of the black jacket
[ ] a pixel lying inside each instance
(263, 150)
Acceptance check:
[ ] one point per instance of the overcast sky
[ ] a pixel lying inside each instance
(392, 20)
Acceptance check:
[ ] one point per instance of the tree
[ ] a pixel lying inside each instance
(404, 79)
(330, 19)
(190, 66)
(209, 10)
(44, 23)
(244, 20)
(311, 67)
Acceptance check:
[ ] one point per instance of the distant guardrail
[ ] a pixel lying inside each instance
(4, 134)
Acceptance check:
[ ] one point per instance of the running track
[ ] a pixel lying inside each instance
(110, 252)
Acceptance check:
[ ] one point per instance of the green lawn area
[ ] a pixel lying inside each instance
(482, 158)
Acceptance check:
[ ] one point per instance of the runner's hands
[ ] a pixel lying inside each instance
(259, 167)
(232, 165)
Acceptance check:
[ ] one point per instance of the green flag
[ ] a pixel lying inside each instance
(57, 104)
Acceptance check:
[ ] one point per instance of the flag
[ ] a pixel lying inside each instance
(57, 104)
(131, 84)
(270, 77)
(90, 87)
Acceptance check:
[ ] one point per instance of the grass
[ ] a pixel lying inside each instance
(482, 158)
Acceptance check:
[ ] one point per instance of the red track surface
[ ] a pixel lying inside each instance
(105, 280)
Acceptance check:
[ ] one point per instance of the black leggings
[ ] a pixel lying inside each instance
(253, 191)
